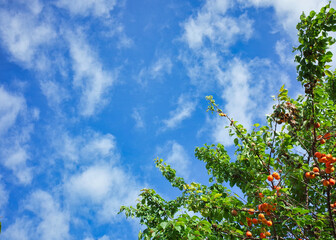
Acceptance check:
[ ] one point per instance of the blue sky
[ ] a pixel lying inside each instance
(91, 91)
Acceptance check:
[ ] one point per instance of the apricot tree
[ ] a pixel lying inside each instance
(284, 169)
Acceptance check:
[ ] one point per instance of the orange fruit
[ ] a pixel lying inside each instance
(255, 221)
(262, 235)
(248, 234)
(261, 216)
(307, 174)
(329, 170)
(325, 183)
(318, 154)
(276, 175)
(268, 234)
(234, 212)
(315, 169)
(251, 211)
(269, 223)
(323, 159)
(270, 178)
(327, 136)
(317, 125)
(322, 141)
(332, 181)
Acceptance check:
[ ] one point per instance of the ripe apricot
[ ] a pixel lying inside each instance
(317, 125)
(255, 221)
(251, 211)
(326, 183)
(329, 157)
(319, 137)
(322, 141)
(276, 175)
(261, 216)
(269, 223)
(234, 212)
(270, 178)
(329, 170)
(307, 174)
(262, 235)
(332, 181)
(318, 154)
(327, 136)
(248, 234)
(268, 234)
(329, 164)
(316, 169)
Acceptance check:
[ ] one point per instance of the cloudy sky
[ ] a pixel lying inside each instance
(91, 91)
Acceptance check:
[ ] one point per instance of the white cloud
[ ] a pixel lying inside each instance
(10, 107)
(54, 92)
(101, 238)
(156, 70)
(284, 52)
(23, 36)
(238, 103)
(94, 183)
(16, 160)
(19, 230)
(13, 145)
(89, 147)
(185, 108)
(103, 146)
(35, 6)
(287, 11)
(175, 155)
(139, 122)
(47, 221)
(246, 91)
(89, 75)
(54, 223)
(162, 65)
(97, 8)
(105, 188)
(211, 23)
(3, 195)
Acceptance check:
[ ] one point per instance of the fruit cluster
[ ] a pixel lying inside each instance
(329, 161)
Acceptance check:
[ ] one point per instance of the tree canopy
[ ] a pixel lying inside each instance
(285, 169)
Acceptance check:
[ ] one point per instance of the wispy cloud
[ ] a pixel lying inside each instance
(24, 35)
(46, 219)
(13, 143)
(10, 107)
(212, 24)
(97, 8)
(287, 11)
(175, 155)
(139, 122)
(155, 71)
(103, 187)
(185, 107)
(90, 77)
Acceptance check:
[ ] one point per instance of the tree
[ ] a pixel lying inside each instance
(284, 169)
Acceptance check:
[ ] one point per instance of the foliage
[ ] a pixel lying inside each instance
(284, 169)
